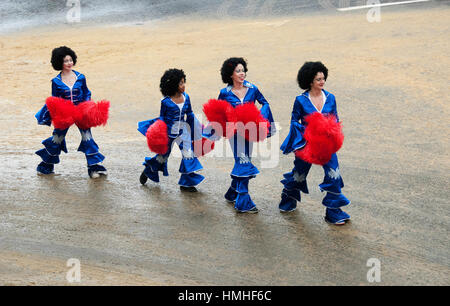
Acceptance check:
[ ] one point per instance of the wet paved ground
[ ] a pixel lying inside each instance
(177, 238)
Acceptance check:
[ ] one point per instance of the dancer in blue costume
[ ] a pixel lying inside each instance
(70, 85)
(176, 112)
(311, 77)
(240, 91)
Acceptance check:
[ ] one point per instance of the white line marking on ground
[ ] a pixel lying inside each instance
(351, 8)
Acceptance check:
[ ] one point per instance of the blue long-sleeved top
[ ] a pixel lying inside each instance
(303, 107)
(253, 94)
(175, 118)
(78, 93)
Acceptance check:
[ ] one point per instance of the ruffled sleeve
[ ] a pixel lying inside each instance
(144, 125)
(43, 116)
(266, 112)
(294, 139)
(86, 91)
(334, 111)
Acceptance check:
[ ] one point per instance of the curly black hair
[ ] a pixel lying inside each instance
(228, 68)
(308, 72)
(170, 81)
(58, 55)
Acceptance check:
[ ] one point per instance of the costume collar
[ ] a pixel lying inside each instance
(246, 84)
(76, 73)
(306, 93)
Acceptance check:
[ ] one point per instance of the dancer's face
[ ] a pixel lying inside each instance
(182, 86)
(318, 81)
(67, 62)
(239, 74)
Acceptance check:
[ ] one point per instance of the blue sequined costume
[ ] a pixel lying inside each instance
(294, 182)
(243, 169)
(53, 145)
(182, 127)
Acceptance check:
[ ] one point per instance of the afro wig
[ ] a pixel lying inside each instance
(228, 68)
(58, 55)
(170, 81)
(308, 72)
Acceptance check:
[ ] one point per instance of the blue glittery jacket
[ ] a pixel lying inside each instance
(302, 108)
(253, 94)
(78, 93)
(175, 118)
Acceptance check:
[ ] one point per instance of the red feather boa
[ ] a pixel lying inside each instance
(231, 119)
(324, 137)
(221, 112)
(157, 137)
(248, 114)
(61, 112)
(92, 114)
(85, 115)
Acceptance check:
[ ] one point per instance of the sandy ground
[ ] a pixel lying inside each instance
(391, 83)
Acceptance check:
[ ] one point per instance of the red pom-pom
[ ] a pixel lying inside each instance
(91, 114)
(61, 112)
(255, 127)
(157, 138)
(202, 146)
(220, 112)
(324, 137)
